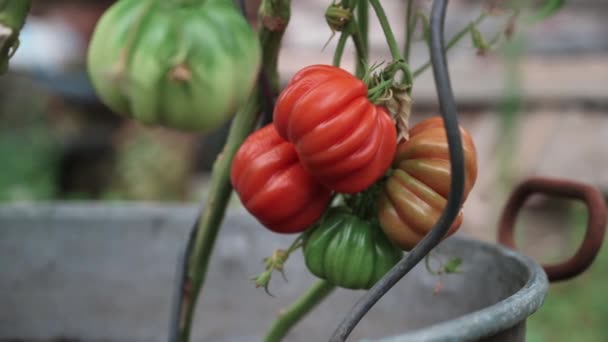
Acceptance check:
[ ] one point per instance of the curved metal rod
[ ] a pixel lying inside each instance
(454, 202)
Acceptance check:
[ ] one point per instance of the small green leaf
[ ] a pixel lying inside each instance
(263, 280)
(453, 265)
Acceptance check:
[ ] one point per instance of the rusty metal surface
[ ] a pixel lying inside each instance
(596, 224)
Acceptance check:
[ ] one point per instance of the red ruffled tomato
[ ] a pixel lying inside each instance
(344, 140)
(273, 186)
(416, 192)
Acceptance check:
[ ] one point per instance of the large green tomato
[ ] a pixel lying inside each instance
(348, 251)
(183, 64)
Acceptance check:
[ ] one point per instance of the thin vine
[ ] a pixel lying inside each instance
(209, 222)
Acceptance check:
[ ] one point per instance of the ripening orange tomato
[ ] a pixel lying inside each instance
(416, 192)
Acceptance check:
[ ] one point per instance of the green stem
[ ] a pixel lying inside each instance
(12, 18)
(427, 265)
(452, 42)
(300, 308)
(361, 35)
(410, 24)
(340, 48)
(510, 111)
(351, 29)
(386, 27)
(361, 51)
(211, 219)
(220, 188)
(392, 42)
(274, 16)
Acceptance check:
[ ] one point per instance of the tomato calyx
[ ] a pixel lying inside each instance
(276, 262)
(384, 90)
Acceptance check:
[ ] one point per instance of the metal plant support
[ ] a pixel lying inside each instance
(449, 113)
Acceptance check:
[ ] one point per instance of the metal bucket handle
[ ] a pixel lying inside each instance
(596, 224)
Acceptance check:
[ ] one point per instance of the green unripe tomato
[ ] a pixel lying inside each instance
(183, 64)
(348, 251)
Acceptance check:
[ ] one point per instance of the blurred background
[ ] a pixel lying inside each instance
(537, 105)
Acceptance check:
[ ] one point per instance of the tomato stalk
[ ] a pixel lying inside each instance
(410, 25)
(340, 49)
(391, 41)
(478, 41)
(12, 18)
(363, 32)
(275, 15)
(276, 262)
(452, 42)
(510, 110)
(289, 317)
(351, 29)
(357, 40)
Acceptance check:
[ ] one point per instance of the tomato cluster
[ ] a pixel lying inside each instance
(328, 138)
(190, 64)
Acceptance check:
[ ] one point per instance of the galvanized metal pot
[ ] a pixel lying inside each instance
(104, 272)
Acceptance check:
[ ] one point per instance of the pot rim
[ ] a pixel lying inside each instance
(492, 319)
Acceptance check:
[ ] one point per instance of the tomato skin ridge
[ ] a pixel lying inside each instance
(416, 192)
(303, 120)
(348, 251)
(344, 167)
(361, 123)
(273, 186)
(261, 166)
(166, 65)
(346, 142)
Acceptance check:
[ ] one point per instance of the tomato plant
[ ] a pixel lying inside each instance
(415, 194)
(188, 65)
(341, 137)
(349, 251)
(273, 185)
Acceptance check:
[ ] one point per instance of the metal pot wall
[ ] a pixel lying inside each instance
(105, 272)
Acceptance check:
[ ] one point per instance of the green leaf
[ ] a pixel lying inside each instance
(453, 265)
